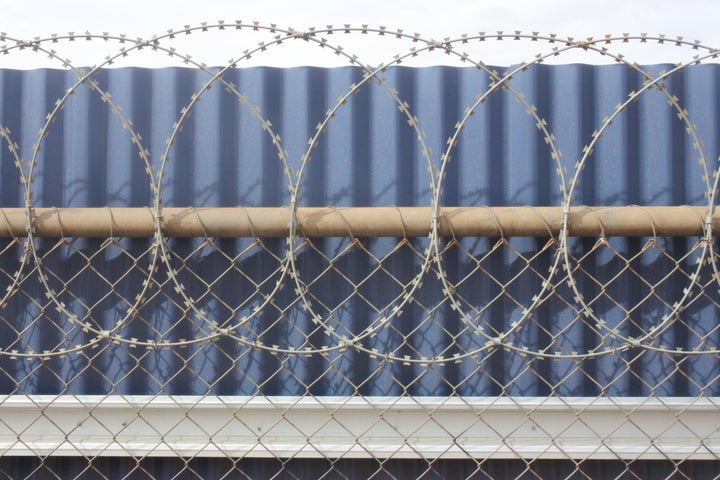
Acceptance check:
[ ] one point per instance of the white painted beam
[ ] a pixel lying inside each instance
(362, 427)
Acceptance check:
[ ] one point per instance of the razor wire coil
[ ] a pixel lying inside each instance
(287, 275)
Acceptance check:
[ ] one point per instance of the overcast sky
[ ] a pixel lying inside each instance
(692, 19)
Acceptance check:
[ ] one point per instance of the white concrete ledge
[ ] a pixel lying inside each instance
(362, 427)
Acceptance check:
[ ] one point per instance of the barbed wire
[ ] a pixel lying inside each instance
(482, 336)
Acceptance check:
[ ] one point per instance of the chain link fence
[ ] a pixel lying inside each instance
(445, 340)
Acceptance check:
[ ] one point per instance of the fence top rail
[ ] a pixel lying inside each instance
(520, 221)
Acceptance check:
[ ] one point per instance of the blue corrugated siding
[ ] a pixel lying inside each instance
(369, 155)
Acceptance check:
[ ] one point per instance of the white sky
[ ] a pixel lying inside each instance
(692, 19)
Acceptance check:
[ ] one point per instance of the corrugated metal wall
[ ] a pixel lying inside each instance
(369, 156)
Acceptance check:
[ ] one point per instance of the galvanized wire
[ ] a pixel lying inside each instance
(288, 309)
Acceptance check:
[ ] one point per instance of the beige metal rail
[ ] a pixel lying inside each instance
(358, 221)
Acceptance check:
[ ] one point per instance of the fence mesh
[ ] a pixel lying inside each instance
(434, 355)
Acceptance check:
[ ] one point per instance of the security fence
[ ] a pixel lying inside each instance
(350, 294)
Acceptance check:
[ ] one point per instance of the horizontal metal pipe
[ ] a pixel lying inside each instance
(629, 221)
